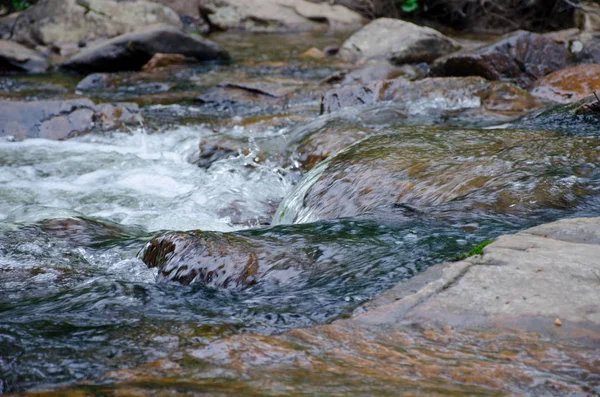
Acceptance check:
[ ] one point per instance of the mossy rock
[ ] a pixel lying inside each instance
(448, 172)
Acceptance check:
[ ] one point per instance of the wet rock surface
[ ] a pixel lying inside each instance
(419, 172)
(569, 85)
(223, 260)
(62, 119)
(433, 96)
(487, 325)
(397, 41)
(57, 21)
(539, 275)
(15, 57)
(521, 58)
(446, 173)
(132, 51)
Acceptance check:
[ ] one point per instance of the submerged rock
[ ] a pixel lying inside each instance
(279, 15)
(15, 57)
(521, 58)
(62, 119)
(433, 95)
(569, 85)
(133, 50)
(224, 260)
(56, 21)
(449, 173)
(396, 41)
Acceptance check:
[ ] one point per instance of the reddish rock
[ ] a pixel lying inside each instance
(569, 85)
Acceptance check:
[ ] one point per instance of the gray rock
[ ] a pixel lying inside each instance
(93, 81)
(56, 21)
(526, 280)
(279, 15)
(62, 119)
(586, 47)
(14, 56)
(133, 50)
(521, 58)
(396, 41)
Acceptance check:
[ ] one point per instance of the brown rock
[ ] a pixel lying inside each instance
(569, 85)
(521, 58)
(325, 142)
(449, 172)
(224, 260)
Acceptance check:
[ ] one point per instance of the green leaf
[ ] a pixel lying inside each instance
(409, 5)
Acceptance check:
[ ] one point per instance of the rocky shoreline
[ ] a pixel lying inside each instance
(390, 146)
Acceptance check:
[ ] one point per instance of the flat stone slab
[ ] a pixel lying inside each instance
(526, 280)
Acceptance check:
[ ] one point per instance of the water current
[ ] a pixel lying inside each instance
(76, 301)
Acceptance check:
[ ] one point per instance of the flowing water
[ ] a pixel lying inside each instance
(76, 301)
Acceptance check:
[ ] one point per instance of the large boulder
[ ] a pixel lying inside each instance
(447, 173)
(57, 21)
(279, 15)
(396, 41)
(133, 50)
(433, 95)
(521, 57)
(62, 119)
(14, 56)
(569, 85)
